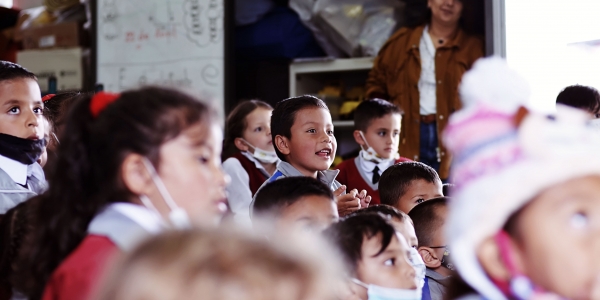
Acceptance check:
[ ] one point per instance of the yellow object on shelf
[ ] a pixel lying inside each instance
(356, 93)
(330, 91)
(348, 107)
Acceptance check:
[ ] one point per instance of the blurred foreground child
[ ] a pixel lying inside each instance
(131, 165)
(524, 220)
(222, 265)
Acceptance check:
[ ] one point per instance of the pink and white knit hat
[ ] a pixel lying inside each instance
(503, 159)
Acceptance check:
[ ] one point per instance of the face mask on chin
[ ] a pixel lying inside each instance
(376, 292)
(178, 217)
(264, 156)
(25, 151)
(369, 154)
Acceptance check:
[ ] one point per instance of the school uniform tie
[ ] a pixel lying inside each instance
(376, 175)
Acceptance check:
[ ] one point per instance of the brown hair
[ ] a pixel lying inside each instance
(86, 176)
(236, 124)
(221, 264)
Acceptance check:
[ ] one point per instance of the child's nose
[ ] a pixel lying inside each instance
(32, 119)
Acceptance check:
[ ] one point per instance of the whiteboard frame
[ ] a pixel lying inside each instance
(228, 23)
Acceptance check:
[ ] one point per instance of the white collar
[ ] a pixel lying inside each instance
(426, 38)
(16, 170)
(148, 219)
(369, 166)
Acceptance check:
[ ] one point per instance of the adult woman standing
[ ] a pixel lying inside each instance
(419, 69)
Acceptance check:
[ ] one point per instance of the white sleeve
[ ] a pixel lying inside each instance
(239, 195)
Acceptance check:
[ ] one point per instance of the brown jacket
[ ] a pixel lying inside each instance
(396, 74)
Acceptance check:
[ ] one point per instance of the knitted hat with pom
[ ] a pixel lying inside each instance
(504, 157)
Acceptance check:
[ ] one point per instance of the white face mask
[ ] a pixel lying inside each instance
(417, 262)
(376, 292)
(370, 154)
(264, 156)
(595, 124)
(178, 217)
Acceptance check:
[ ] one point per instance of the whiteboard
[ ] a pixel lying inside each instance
(174, 43)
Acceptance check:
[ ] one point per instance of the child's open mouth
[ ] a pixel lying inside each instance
(325, 153)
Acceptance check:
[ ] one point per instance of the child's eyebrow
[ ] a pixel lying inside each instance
(12, 102)
(386, 251)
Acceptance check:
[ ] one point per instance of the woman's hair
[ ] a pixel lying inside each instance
(221, 264)
(236, 124)
(87, 171)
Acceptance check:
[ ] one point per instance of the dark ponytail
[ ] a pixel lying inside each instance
(87, 172)
(236, 124)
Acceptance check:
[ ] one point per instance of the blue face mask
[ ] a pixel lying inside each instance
(375, 292)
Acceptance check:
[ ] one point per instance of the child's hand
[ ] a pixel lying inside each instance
(347, 203)
(364, 199)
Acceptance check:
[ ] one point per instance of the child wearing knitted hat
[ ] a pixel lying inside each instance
(524, 220)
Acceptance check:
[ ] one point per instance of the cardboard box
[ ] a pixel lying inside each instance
(64, 64)
(60, 35)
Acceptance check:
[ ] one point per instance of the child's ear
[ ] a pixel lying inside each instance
(490, 259)
(359, 140)
(283, 144)
(239, 143)
(430, 258)
(135, 175)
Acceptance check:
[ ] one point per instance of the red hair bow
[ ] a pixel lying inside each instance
(48, 97)
(100, 101)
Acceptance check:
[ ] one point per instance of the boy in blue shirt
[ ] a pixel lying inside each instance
(302, 132)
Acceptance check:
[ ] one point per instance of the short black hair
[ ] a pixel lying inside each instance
(372, 109)
(395, 180)
(385, 210)
(582, 97)
(281, 193)
(12, 71)
(284, 116)
(427, 221)
(349, 234)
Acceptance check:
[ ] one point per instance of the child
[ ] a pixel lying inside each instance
(297, 202)
(524, 218)
(377, 131)
(22, 140)
(222, 265)
(582, 97)
(378, 258)
(407, 184)
(302, 133)
(429, 218)
(131, 165)
(250, 157)
(404, 225)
